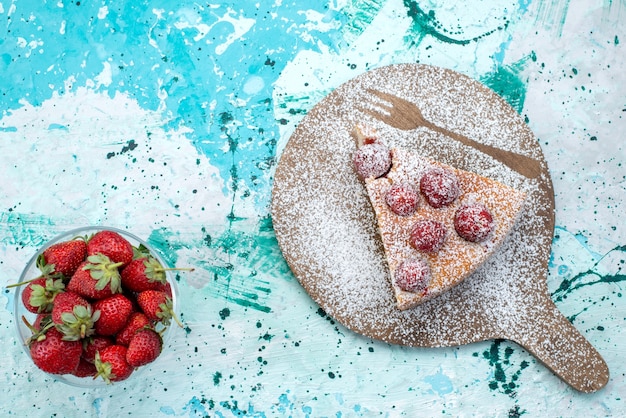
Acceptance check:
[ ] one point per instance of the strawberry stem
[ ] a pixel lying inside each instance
(175, 317)
(22, 283)
(177, 269)
(29, 325)
(53, 276)
(38, 334)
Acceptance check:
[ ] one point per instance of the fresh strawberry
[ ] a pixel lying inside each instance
(94, 344)
(83, 284)
(111, 364)
(53, 354)
(143, 274)
(146, 273)
(166, 288)
(111, 244)
(96, 278)
(144, 347)
(65, 256)
(85, 369)
(136, 321)
(157, 306)
(114, 313)
(65, 302)
(39, 294)
(73, 316)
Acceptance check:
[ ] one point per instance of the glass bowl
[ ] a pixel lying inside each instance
(31, 271)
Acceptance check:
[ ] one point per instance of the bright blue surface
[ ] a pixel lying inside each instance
(168, 118)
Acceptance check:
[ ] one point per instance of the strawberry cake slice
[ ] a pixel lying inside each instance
(437, 223)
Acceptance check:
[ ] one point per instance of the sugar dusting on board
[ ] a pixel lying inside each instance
(327, 229)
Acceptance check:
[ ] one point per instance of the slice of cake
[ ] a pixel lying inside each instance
(437, 223)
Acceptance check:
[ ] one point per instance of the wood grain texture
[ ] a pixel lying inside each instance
(507, 299)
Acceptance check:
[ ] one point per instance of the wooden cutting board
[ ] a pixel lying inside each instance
(326, 227)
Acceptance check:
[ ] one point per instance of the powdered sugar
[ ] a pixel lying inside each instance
(327, 229)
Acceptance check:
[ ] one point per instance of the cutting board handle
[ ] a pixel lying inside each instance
(562, 349)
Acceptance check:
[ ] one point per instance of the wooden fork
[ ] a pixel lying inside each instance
(402, 114)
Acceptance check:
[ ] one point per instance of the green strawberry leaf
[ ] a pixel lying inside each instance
(42, 297)
(105, 272)
(78, 324)
(47, 269)
(154, 270)
(140, 252)
(104, 369)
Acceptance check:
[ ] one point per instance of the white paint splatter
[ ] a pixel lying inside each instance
(105, 78)
(84, 174)
(253, 85)
(103, 12)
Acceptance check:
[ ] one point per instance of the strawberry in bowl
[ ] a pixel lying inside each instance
(95, 305)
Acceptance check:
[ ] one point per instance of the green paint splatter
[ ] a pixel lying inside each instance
(224, 313)
(217, 377)
(242, 258)
(616, 40)
(167, 244)
(242, 264)
(508, 83)
(359, 15)
(591, 277)
(499, 357)
(26, 230)
(552, 14)
(225, 118)
(426, 24)
(515, 412)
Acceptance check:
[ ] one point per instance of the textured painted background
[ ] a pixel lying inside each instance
(168, 117)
